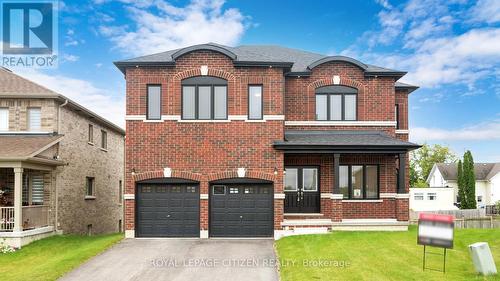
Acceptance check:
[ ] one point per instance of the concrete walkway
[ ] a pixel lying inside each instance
(182, 259)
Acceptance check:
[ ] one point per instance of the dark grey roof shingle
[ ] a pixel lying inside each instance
(343, 139)
(258, 53)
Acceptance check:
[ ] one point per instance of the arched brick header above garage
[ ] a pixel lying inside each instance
(234, 174)
(161, 174)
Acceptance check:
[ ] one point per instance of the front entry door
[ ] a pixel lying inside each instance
(301, 190)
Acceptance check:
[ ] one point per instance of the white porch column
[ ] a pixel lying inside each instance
(18, 199)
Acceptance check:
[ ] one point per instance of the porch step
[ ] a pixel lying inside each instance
(370, 225)
(307, 222)
(302, 216)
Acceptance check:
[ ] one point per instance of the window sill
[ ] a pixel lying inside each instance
(91, 143)
(362, 200)
(103, 149)
(204, 120)
(89, 197)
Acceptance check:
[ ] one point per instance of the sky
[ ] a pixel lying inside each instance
(451, 49)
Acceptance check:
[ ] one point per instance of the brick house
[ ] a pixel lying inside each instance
(61, 165)
(263, 141)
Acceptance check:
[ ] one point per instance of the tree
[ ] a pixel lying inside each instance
(461, 187)
(422, 160)
(469, 180)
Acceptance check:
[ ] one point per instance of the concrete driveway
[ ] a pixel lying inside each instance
(182, 259)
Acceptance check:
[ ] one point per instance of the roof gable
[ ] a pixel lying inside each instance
(298, 62)
(482, 171)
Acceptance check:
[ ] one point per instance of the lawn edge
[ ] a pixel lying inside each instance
(91, 257)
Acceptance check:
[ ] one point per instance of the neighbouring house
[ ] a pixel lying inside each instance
(263, 141)
(487, 181)
(432, 199)
(61, 165)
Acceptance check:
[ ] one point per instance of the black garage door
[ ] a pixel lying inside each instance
(168, 210)
(241, 210)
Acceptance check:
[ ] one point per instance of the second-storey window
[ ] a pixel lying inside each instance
(336, 103)
(154, 102)
(34, 119)
(255, 102)
(396, 113)
(91, 133)
(104, 139)
(204, 98)
(4, 119)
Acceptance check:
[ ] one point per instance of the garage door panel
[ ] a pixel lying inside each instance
(244, 211)
(168, 210)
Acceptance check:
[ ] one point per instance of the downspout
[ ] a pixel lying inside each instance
(55, 177)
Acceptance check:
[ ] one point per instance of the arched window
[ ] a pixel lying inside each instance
(204, 98)
(336, 103)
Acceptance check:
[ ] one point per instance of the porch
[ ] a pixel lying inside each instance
(27, 188)
(344, 180)
(26, 202)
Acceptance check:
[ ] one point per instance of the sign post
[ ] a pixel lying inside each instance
(437, 231)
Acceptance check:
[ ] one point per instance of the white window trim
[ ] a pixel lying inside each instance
(230, 118)
(342, 123)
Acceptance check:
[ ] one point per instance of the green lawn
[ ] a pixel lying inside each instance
(380, 256)
(50, 258)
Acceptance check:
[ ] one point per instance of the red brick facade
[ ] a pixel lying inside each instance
(207, 151)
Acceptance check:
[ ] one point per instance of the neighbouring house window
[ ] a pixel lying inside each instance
(431, 196)
(104, 139)
(37, 190)
(359, 181)
(154, 102)
(91, 133)
(33, 189)
(303, 178)
(396, 117)
(4, 119)
(255, 104)
(418, 196)
(291, 179)
(34, 119)
(120, 191)
(204, 98)
(336, 103)
(90, 187)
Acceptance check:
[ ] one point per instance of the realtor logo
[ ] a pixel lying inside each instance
(29, 33)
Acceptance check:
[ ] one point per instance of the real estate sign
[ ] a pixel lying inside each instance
(435, 230)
